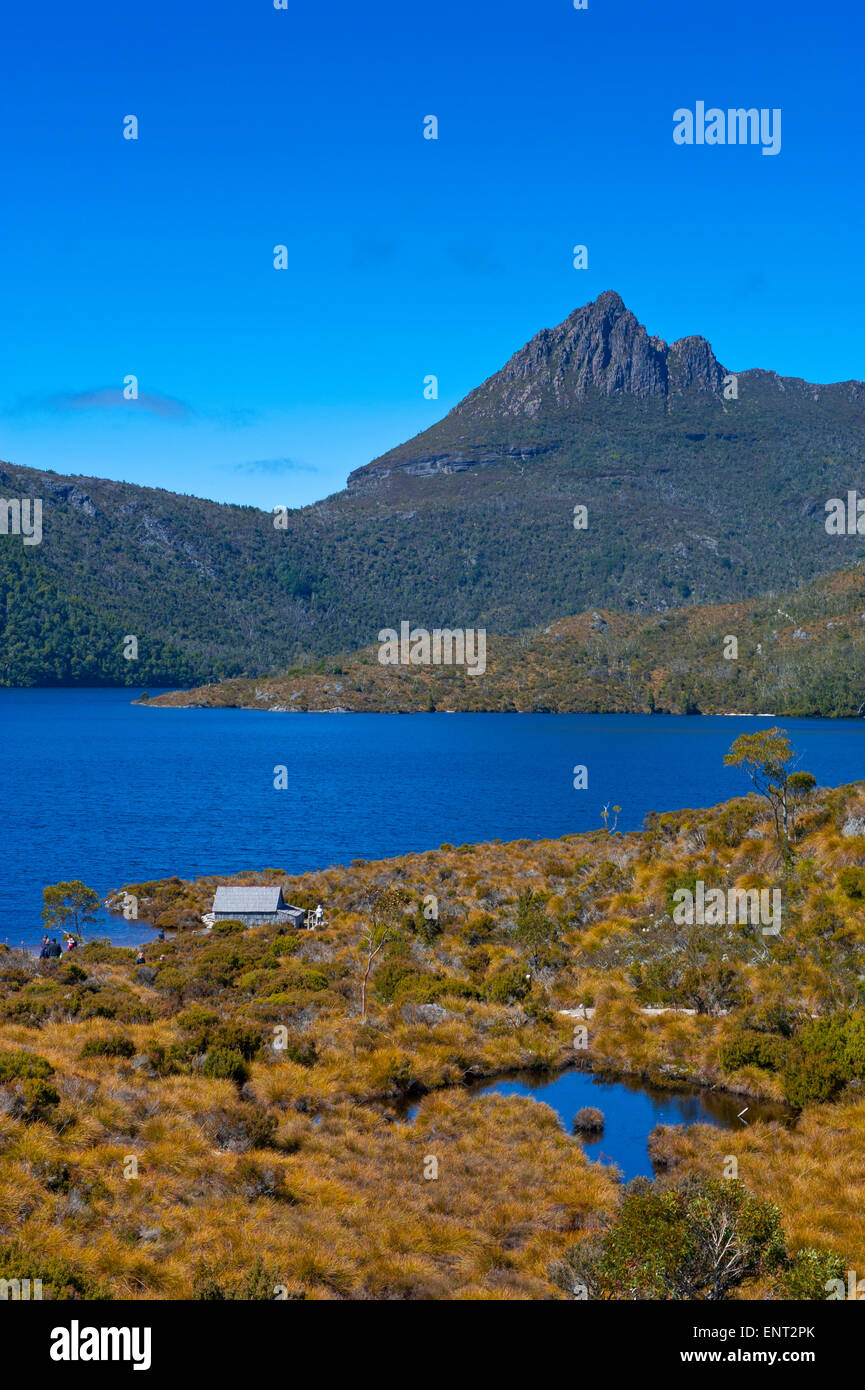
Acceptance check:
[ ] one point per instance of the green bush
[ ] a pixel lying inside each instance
(101, 952)
(97, 1006)
(664, 1243)
(196, 1019)
(15, 1066)
(30, 1013)
(852, 882)
(426, 928)
(393, 977)
(750, 1049)
(283, 945)
(538, 1008)
(534, 930)
(226, 1064)
(70, 973)
(811, 1080)
(807, 1273)
(113, 1046)
(312, 979)
(259, 980)
(39, 1095)
(59, 1279)
(228, 928)
(169, 1061)
(827, 1053)
(507, 985)
(235, 1038)
(729, 826)
(301, 1050)
(775, 1017)
(171, 980)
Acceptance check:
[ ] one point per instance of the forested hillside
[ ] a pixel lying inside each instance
(800, 654)
(690, 498)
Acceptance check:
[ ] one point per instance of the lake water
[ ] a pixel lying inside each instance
(96, 788)
(631, 1109)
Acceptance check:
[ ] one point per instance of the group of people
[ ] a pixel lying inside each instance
(50, 948)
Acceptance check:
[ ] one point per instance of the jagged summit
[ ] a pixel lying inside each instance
(601, 347)
(691, 494)
(599, 352)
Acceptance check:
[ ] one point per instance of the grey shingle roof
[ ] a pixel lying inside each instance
(247, 900)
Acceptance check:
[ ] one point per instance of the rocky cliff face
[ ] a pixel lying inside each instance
(690, 497)
(600, 347)
(600, 350)
(692, 366)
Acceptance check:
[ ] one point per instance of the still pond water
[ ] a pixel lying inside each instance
(631, 1108)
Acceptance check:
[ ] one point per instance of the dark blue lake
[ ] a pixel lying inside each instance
(98, 789)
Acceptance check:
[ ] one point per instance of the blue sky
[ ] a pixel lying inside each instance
(408, 257)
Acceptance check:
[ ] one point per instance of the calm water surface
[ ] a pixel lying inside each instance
(96, 788)
(631, 1110)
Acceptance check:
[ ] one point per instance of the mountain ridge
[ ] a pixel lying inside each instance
(689, 498)
(599, 348)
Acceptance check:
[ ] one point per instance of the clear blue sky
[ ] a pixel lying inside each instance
(408, 256)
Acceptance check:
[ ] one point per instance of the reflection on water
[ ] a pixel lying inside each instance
(632, 1109)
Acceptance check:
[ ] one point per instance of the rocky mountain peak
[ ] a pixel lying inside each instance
(600, 348)
(691, 364)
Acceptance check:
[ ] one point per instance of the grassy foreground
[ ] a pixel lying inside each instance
(221, 1122)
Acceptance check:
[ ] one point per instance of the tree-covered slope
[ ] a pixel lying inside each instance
(691, 498)
(797, 655)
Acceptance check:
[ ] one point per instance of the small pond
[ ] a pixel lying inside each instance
(632, 1108)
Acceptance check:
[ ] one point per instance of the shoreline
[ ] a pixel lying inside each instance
(156, 702)
(581, 713)
(602, 1070)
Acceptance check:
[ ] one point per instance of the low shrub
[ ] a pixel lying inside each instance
(283, 945)
(39, 1097)
(808, 1273)
(225, 1064)
(507, 985)
(60, 1280)
(303, 1051)
(15, 1066)
(751, 1049)
(828, 1052)
(589, 1120)
(70, 973)
(196, 1019)
(393, 977)
(115, 1045)
(170, 1061)
(852, 882)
